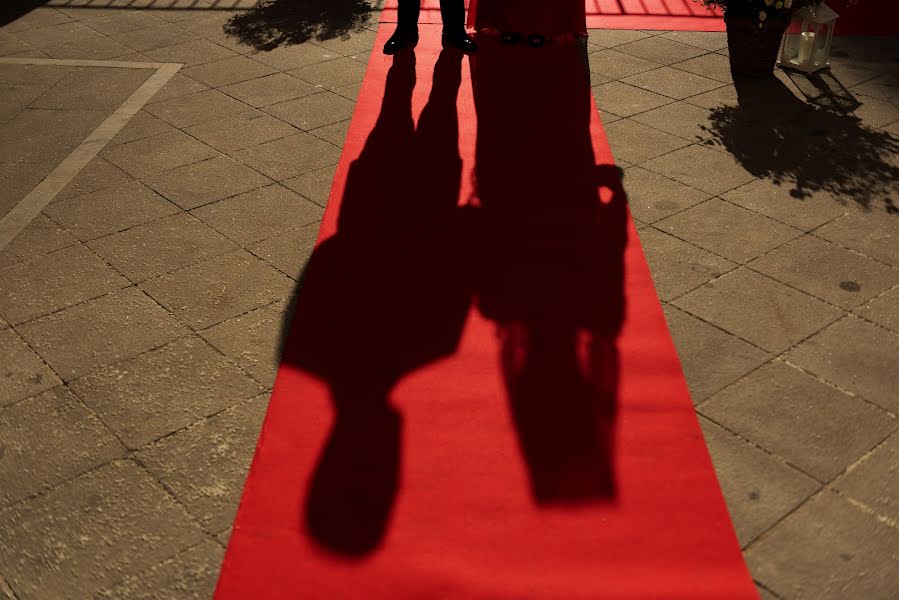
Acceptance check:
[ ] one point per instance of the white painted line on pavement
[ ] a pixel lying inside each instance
(67, 62)
(37, 199)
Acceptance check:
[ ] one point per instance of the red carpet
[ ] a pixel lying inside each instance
(542, 442)
(865, 17)
(677, 15)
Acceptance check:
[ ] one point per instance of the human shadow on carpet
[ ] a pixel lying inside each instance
(538, 251)
(551, 233)
(274, 23)
(385, 296)
(775, 135)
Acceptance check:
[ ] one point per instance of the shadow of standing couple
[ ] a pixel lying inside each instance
(540, 254)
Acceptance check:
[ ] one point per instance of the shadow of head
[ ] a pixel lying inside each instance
(778, 136)
(274, 23)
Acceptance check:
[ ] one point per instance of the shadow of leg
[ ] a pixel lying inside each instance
(562, 392)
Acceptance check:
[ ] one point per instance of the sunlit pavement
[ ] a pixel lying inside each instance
(141, 308)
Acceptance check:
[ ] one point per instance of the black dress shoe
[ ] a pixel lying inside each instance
(459, 41)
(401, 40)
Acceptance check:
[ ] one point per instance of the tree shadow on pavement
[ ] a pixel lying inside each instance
(13, 10)
(274, 23)
(778, 136)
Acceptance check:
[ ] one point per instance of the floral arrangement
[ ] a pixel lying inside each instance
(761, 10)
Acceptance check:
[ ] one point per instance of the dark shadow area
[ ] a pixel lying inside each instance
(274, 23)
(550, 264)
(540, 254)
(778, 136)
(385, 296)
(824, 91)
(12, 10)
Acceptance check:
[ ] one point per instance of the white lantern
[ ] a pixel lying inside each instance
(806, 44)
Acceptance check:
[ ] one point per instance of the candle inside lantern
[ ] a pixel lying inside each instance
(806, 44)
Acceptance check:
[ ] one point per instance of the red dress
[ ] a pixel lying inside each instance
(543, 17)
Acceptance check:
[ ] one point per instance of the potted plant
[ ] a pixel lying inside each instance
(755, 29)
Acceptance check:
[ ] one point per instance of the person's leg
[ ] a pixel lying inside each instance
(453, 14)
(407, 15)
(406, 35)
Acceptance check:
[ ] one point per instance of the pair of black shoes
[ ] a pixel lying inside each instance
(409, 39)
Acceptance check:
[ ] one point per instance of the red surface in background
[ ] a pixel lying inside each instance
(465, 524)
(865, 17)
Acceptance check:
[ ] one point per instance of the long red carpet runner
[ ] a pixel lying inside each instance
(479, 396)
(857, 17)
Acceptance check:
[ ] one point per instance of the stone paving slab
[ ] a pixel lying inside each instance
(178, 369)
(883, 310)
(637, 143)
(42, 236)
(253, 340)
(314, 185)
(827, 271)
(777, 318)
(54, 282)
(760, 488)
(105, 330)
(273, 89)
(189, 575)
(289, 251)
(213, 291)
(110, 210)
(197, 184)
(24, 373)
(193, 109)
(678, 266)
(161, 247)
(203, 464)
(97, 175)
(290, 156)
(818, 428)
(91, 531)
(164, 390)
(856, 356)
(243, 131)
(684, 120)
(159, 153)
(828, 549)
(777, 202)
(259, 214)
(48, 439)
(711, 358)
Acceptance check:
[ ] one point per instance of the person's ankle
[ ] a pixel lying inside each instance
(406, 33)
(455, 34)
